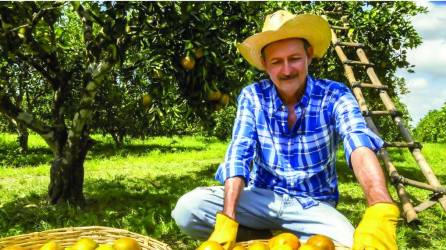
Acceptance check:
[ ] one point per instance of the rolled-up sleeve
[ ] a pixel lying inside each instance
(240, 151)
(351, 126)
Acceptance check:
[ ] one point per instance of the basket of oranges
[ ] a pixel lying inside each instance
(82, 238)
(282, 241)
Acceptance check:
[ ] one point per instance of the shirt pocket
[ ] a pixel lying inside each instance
(313, 149)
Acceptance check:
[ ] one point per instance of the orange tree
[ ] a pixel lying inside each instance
(189, 49)
(431, 127)
(23, 94)
(73, 47)
(144, 68)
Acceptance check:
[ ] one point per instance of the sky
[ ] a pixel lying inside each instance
(427, 85)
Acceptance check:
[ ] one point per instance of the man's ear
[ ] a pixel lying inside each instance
(310, 53)
(263, 62)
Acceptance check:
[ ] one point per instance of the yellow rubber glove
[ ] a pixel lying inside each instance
(225, 231)
(377, 229)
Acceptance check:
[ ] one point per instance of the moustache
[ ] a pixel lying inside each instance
(288, 77)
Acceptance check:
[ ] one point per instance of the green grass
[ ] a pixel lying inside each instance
(136, 186)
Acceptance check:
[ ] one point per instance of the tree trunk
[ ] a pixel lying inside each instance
(22, 137)
(67, 173)
(118, 137)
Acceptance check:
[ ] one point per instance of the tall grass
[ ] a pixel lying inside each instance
(136, 186)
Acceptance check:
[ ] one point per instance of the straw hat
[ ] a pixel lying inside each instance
(282, 25)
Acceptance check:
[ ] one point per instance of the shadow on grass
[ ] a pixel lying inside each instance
(11, 156)
(415, 173)
(141, 205)
(104, 150)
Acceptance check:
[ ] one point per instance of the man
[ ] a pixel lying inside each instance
(287, 129)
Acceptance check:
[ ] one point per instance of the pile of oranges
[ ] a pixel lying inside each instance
(123, 243)
(283, 241)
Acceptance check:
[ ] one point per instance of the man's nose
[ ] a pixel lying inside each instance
(286, 70)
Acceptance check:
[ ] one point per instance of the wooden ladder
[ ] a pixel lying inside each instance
(438, 191)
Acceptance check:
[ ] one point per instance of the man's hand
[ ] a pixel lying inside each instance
(225, 231)
(377, 229)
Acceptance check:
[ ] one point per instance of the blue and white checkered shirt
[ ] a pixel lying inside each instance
(299, 162)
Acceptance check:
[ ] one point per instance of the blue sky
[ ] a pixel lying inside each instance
(428, 84)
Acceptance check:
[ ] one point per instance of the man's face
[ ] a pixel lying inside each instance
(286, 63)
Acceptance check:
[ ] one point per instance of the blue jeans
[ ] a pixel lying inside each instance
(261, 209)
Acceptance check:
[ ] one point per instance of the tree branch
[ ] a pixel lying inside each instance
(14, 112)
(39, 68)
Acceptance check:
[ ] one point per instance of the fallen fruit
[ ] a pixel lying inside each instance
(285, 239)
(321, 241)
(85, 244)
(126, 244)
(210, 245)
(51, 245)
(258, 246)
(308, 247)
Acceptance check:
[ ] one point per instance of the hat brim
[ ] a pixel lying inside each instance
(310, 27)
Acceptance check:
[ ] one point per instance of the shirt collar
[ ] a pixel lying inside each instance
(277, 102)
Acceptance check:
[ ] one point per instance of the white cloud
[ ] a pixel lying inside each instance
(430, 25)
(430, 57)
(420, 102)
(417, 83)
(427, 85)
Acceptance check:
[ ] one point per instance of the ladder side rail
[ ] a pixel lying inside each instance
(416, 152)
(407, 206)
(409, 211)
(349, 74)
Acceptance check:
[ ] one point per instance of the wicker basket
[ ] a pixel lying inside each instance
(68, 236)
(246, 243)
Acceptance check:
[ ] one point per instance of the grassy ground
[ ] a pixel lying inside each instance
(135, 187)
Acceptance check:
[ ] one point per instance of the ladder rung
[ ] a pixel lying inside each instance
(369, 85)
(375, 112)
(424, 205)
(352, 62)
(338, 27)
(350, 44)
(410, 145)
(439, 190)
(393, 113)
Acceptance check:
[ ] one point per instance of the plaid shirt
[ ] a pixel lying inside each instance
(299, 162)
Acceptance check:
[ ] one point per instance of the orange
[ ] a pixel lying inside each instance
(188, 62)
(214, 95)
(309, 247)
(321, 241)
(199, 53)
(239, 247)
(285, 239)
(126, 244)
(282, 247)
(51, 245)
(210, 245)
(146, 100)
(258, 246)
(105, 247)
(84, 244)
(224, 99)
